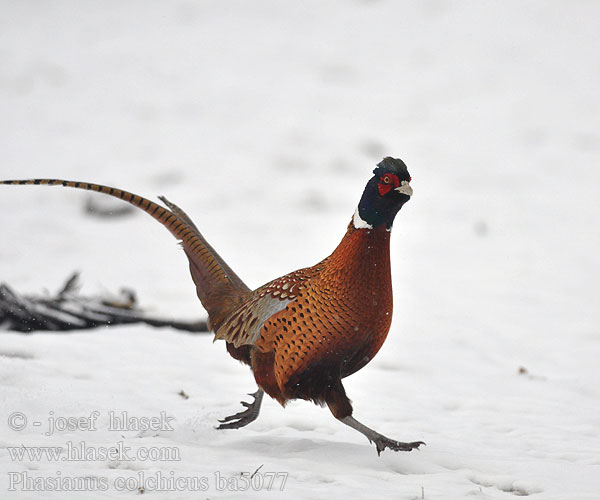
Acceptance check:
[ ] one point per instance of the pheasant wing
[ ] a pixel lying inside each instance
(243, 326)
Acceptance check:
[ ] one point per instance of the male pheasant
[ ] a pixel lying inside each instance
(302, 333)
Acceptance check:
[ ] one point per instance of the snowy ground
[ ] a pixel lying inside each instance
(263, 120)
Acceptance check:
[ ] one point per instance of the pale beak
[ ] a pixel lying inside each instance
(405, 188)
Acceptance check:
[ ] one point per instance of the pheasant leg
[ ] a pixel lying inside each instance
(381, 442)
(243, 418)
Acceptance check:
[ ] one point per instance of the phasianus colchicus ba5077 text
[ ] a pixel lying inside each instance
(301, 334)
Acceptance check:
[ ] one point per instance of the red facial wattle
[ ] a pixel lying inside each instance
(388, 182)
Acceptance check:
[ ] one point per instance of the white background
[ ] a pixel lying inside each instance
(263, 120)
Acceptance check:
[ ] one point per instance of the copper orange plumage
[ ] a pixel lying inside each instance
(302, 333)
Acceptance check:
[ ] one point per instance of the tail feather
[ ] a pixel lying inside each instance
(218, 287)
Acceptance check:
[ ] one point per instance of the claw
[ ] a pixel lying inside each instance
(230, 417)
(383, 443)
(243, 418)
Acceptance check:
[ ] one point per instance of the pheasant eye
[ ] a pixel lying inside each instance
(387, 182)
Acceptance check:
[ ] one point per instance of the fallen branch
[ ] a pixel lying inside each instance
(68, 310)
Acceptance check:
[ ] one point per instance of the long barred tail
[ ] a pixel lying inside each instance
(213, 277)
(161, 214)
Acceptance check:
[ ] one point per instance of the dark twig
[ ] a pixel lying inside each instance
(68, 310)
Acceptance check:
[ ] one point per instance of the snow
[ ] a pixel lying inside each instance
(263, 120)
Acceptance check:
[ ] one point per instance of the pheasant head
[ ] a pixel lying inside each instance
(384, 195)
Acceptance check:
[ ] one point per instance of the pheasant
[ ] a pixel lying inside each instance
(302, 333)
